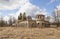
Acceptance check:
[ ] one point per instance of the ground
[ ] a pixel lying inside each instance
(29, 33)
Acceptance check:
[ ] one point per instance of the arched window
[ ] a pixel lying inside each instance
(38, 23)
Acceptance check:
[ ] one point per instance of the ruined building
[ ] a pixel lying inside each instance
(29, 22)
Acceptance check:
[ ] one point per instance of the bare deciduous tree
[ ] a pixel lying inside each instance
(2, 22)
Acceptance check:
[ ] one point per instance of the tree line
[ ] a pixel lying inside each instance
(7, 23)
(12, 20)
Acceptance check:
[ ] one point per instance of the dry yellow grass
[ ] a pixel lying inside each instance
(29, 33)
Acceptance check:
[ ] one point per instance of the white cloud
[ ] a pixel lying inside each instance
(23, 5)
(6, 18)
(42, 11)
(0, 13)
(12, 4)
(31, 10)
(51, 1)
(57, 10)
(13, 15)
(58, 7)
(28, 8)
(52, 20)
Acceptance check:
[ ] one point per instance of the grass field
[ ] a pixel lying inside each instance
(29, 33)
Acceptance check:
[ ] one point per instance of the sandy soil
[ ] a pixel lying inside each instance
(29, 33)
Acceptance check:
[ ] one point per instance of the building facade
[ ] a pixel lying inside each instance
(38, 22)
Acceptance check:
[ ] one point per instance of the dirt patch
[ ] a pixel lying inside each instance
(29, 33)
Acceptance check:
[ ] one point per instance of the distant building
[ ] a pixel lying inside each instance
(38, 22)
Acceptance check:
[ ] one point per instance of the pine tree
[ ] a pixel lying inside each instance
(20, 16)
(24, 16)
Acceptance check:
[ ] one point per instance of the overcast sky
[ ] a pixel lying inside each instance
(31, 7)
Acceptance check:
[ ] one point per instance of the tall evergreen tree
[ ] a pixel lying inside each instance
(20, 16)
(24, 16)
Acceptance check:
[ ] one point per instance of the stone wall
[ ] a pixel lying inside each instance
(39, 23)
(29, 23)
(32, 23)
(53, 26)
(23, 24)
